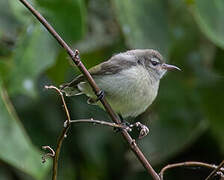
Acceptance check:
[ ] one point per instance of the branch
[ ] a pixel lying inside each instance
(75, 57)
(63, 101)
(216, 170)
(62, 135)
(51, 154)
(190, 164)
(55, 155)
(105, 123)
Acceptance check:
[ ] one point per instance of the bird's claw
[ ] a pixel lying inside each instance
(100, 95)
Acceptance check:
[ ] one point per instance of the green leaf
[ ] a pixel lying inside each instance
(9, 24)
(210, 18)
(144, 23)
(16, 147)
(58, 71)
(67, 17)
(4, 68)
(35, 53)
(213, 97)
(20, 12)
(213, 105)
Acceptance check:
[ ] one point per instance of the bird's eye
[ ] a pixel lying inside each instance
(154, 63)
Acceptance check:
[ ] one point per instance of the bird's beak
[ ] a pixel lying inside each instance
(170, 67)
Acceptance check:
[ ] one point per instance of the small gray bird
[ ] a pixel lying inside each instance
(129, 80)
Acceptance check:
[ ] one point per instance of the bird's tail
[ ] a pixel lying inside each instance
(70, 90)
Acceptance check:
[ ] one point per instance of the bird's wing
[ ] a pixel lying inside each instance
(112, 66)
(94, 71)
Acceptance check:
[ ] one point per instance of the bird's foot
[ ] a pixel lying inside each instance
(143, 129)
(100, 96)
(124, 126)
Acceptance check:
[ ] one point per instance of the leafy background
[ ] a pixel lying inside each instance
(186, 121)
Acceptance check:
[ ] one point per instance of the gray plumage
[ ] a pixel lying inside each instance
(130, 81)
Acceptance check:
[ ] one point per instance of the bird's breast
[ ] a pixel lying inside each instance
(131, 91)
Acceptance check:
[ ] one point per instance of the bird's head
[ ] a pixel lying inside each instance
(153, 61)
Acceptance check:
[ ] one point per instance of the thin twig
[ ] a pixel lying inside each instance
(188, 164)
(74, 55)
(51, 154)
(105, 123)
(63, 101)
(216, 170)
(62, 135)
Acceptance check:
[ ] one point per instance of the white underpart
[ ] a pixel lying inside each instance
(129, 93)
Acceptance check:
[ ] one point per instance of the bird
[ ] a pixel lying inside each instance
(130, 81)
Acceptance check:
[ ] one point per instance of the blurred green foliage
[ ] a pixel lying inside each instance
(186, 120)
